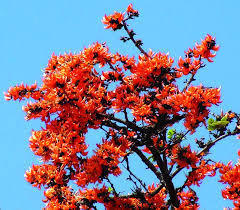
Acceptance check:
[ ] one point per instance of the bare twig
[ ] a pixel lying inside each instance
(112, 186)
(189, 82)
(133, 40)
(132, 174)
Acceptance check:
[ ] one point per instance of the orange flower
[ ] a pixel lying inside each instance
(204, 49)
(188, 66)
(188, 200)
(131, 11)
(113, 21)
(22, 91)
(184, 157)
(230, 175)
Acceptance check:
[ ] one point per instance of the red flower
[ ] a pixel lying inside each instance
(130, 10)
(184, 157)
(187, 66)
(113, 21)
(204, 49)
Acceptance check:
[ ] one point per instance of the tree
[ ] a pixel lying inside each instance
(144, 110)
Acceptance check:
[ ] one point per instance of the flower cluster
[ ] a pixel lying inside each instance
(193, 57)
(199, 173)
(99, 166)
(116, 20)
(46, 175)
(204, 50)
(195, 102)
(23, 91)
(230, 175)
(113, 21)
(61, 198)
(188, 200)
(184, 157)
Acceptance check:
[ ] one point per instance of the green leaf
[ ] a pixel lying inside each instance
(210, 121)
(220, 124)
(151, 158)
(224, 118)
(213, 124)
(211, 128)
(170, 133)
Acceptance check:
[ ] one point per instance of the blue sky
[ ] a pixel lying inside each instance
(32, 30)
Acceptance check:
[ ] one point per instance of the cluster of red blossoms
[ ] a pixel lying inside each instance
(115, 21)
(231, 175)
(192, 61)
(77, 94)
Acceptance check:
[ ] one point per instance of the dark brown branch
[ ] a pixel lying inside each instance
(125, 114)
(133, 40)
(127, 123)
(112, 186)
(148, 163)
(166, 176)
(189, 82)
(108, 123)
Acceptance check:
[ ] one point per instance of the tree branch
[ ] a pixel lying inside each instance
(189, 82)
(133, 40)
(166, 176)
(131, 173)
(112, 186)
(148, 163)
(127, 123)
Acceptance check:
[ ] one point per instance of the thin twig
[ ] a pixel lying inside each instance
(112, 186)
(103, 129)
(131, 173)
(189, 82)
(111, 66)
(193, 74)
(210, 144)
(133, 40)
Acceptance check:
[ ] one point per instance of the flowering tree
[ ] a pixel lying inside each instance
(90, 90)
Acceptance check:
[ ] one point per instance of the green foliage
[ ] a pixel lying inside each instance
(170, 133)
(151, 158)
(217, 124)
(110, 189)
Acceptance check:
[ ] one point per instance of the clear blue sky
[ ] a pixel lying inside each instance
(32, 30)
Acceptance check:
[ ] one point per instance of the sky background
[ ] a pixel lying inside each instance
(32, 30)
